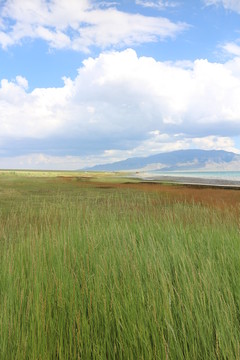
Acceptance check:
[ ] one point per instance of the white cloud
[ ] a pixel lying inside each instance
(158, 143)
(232, 49)
(79, 25)
(214, 143)
(128, 104)
(36, 115)
(45, 162)
(233, 5)
(21, 81)
(156, 4)
(106, 4)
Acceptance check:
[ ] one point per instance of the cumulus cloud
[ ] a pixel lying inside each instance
(233, 5)
(79, 25)
(122, 105)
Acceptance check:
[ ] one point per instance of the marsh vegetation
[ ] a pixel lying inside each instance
(96, 270)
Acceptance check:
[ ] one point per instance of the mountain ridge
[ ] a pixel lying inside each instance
(191, 159)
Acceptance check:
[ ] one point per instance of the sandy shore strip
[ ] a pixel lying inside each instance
(185, 180)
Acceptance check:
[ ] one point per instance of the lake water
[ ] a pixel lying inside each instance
(214, 175)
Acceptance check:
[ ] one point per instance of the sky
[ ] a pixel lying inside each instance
(85, 82)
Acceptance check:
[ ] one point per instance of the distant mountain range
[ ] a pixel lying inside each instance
(181, 160)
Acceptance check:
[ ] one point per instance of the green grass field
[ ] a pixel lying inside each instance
(91, 271)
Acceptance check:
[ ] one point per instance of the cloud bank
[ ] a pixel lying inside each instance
(122, 105)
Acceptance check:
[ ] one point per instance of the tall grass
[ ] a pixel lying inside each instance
(91, 273)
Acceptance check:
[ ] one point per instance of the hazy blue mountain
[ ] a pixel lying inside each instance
(176, 160)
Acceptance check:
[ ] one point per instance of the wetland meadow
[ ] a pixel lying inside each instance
(96, 266)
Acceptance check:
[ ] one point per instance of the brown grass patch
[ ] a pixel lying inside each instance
(217, 197)
(210, 196)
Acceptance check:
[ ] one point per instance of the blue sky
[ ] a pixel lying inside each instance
(88, 82)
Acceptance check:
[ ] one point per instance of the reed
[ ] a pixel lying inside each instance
(90, 272)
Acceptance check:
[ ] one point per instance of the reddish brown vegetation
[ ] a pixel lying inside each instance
(211, 196)
(218, 197)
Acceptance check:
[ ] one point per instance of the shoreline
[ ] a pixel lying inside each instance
(185, 180)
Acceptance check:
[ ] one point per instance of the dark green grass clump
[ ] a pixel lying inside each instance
(91, 273)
